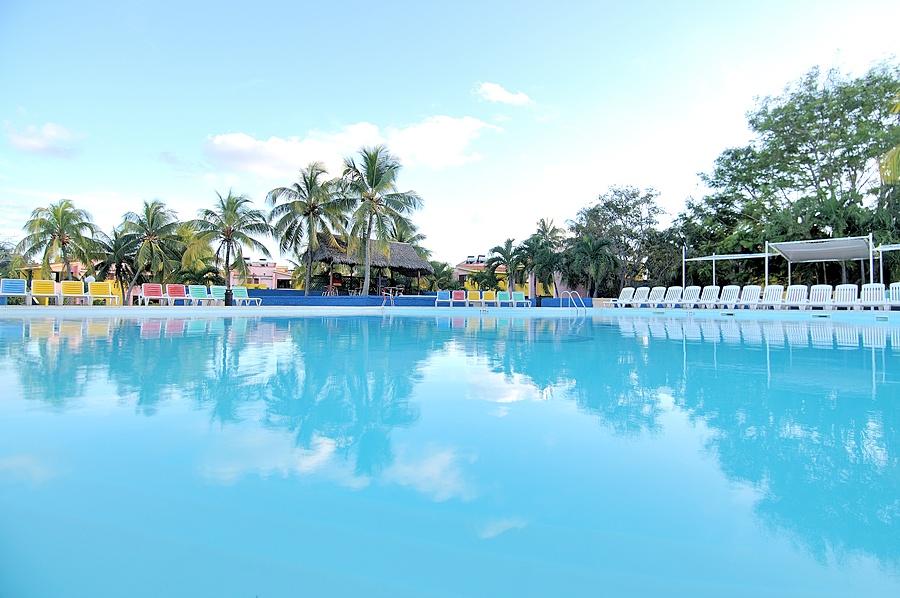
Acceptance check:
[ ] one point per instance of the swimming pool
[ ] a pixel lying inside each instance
(449, 455)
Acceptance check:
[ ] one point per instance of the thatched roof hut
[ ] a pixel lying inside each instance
(399, 257)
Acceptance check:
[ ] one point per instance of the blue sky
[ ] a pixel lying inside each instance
(502, 113)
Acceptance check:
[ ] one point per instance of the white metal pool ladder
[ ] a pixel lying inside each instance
(574, 298)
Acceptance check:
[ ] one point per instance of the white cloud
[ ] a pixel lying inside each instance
(49, 139)
(437, 474)
(494, 92)
(436, 142)
(496, 527)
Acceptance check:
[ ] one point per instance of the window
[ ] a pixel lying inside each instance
(462, 278)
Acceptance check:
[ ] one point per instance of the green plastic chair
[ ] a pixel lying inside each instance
(241, 297)
(198, 295)
(519, 297)
(217, 292)
(503, 297)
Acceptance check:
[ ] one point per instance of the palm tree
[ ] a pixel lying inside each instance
(158, 246)
(406, 232)
(230, 227)
(371, 184)
(115, 257)
(550, 233)
(510, 257)
(310, 206)
(442, 277)
(590, 260)
(199, 274)
(59, 231)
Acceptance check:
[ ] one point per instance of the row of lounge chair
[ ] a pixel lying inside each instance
(482, 298)
(74, 290)
(774, 296)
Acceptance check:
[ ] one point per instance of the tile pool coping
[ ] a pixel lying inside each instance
(890, 318)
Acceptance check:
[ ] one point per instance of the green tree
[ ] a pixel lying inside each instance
(589, 261)
(229, 227)
(371, 184)
(442, 279)
(115, 257)
(405, 231)
(310, 207)
(58, 232)
(624, 217)
(485, 280)
(509, 257)
(154, 230)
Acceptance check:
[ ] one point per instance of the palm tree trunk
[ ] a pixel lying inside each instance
(228, 266)
(308, 275)
(137, 272)
(368, 258)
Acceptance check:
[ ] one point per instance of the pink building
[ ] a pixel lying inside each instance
(265, 274)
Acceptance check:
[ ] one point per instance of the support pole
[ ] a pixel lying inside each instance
(767, 263)
(789, 272)
(683, 265)
(871, 261)
(714, 269)
(881, 267)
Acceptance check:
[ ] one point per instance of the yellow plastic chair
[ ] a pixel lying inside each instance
(102, 291)
(72, 289)
(45, 289)
(489, 297)
(473, 297)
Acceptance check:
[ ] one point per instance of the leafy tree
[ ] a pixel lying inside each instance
(371, 184)
(406, 232)
(154, 231)
(443, 278)
(202, 274)
(589, 260)
(624, 218)
(485, 280)
(308, 208)
(508, 256)
(231, 226)
(58, 232)
(115, 258)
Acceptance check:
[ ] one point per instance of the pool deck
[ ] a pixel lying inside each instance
(879, 317)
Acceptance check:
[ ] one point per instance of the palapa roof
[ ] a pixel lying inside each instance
(401, 257)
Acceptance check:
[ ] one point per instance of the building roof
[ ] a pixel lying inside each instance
(401, 257)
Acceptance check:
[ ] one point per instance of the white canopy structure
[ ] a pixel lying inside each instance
(882, 249)
(800, 252)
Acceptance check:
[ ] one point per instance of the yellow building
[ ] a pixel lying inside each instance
(478, 263)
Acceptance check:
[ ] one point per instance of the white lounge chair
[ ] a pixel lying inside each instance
(655, 298)
(796, 296)
(709, 297)
(729, 298)
(673, 296)
(846, 296)
(772, 297)
(690, 297)
(820, 296)
(625, 296)
(893, 299)
(873, 297)
(640, 296)
(750, 296)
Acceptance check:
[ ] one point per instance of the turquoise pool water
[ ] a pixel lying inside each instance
(423, 456)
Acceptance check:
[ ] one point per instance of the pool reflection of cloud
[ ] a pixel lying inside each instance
(25, 466)
(497, 527)
(435, 472)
